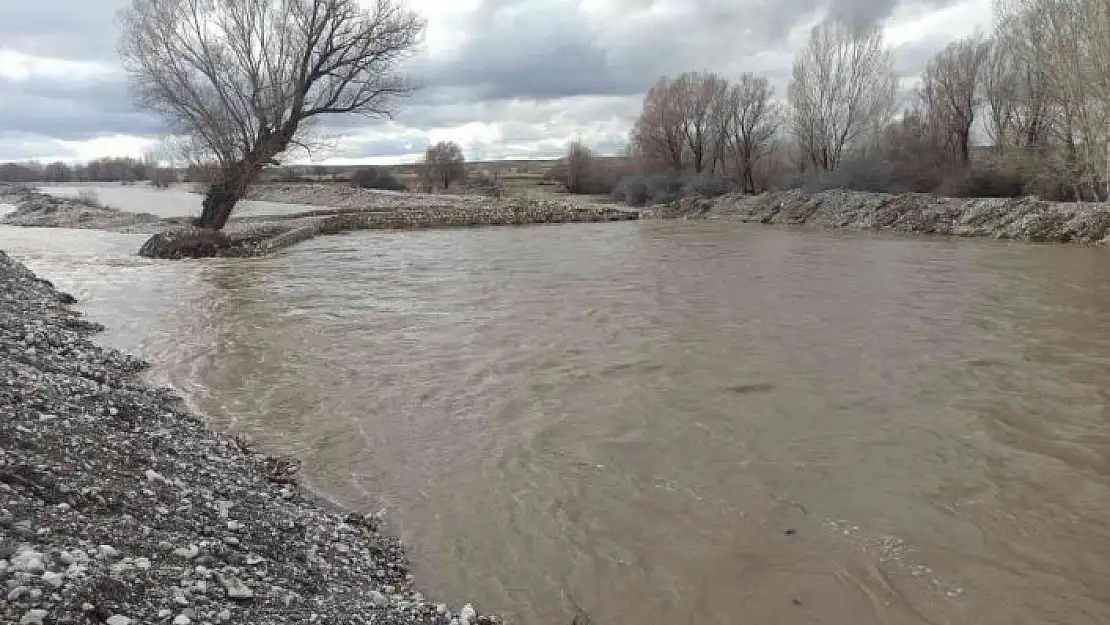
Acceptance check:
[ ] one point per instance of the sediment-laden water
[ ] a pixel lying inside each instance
(665, 422)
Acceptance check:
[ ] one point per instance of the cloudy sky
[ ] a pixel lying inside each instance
(503, 78)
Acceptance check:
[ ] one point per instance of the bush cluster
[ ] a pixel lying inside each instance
(376, 178)
(645, 189)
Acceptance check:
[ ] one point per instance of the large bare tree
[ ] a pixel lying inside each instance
(658, 135)
(842, 91)
(750, 121)
(699, 97)
(679, 125)
(950, 92)
(245, 79)
(1065, 45)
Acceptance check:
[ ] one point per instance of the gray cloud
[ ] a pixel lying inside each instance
(75, 110)
(542, 70)
(73, 29)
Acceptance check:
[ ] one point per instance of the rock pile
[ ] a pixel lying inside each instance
(118, 506)
(1022, 219)
(36, 209)
(259, 236)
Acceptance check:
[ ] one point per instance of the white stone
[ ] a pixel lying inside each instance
(379, 599)
(467, 614)
(181, 619)
(32, 564)
(142, 563)
(188, 553)
(118, 619)
(224, 615)
(54, 580)
(154, 476)
(164, 613)
(235, 588)
(105, 552)
(33, 617)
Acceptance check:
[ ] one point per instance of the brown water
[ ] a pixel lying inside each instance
(666, 422)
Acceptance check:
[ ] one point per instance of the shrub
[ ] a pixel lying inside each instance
(982, 180)
(581, 172)
(163, 177)
(89, 197)
(375, 178)
(668, 186)
(705, 185)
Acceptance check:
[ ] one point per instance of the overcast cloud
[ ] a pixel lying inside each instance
(504, 78)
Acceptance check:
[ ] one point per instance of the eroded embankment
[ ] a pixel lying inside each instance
(39, 210)
(118, 506)
(259, 235)
(1022, 219)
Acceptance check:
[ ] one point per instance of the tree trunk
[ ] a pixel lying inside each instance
(224, 194)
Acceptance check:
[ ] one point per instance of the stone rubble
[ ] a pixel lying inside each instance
(1020, 219)
(116, 503)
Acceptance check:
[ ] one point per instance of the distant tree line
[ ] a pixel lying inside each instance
(1038, 89)
(108, 169)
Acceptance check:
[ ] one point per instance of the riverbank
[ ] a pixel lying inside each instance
(40, 210)
(263, 234)
(1021, 219)
(118, 506)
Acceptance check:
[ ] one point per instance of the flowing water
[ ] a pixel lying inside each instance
(681, 422)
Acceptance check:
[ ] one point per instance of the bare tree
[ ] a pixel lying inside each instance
(1065, 45)
(443, 164)
(246, 78)
(950, 94)
(657, 136)
(842, 90)
(751, 120)
(699, 96)
(1000, 94)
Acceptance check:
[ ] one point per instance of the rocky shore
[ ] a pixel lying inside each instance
(1021, 219)
(36, 209)
(117, 506)
(259, 235)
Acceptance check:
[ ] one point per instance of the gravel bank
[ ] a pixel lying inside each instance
(117, 506)
(37, 209)
(344, 196)
(1022, 219)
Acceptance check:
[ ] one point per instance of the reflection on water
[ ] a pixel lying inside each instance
(666, 422)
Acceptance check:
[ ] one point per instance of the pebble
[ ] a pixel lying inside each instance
(224, 615)
(106, 552)
(54, 580)
(164, 613)
(181, 619)
(16, 593)
(235, 588)
(467, 614)
(32, 564)
(118, 619)
(33, 617)
(187, 553)
(378, 598)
